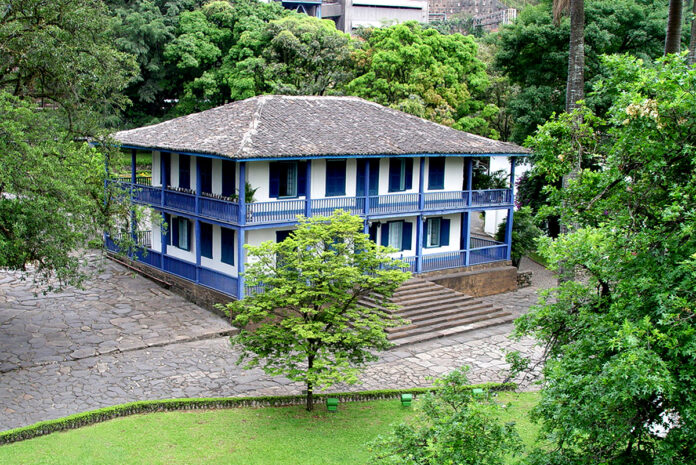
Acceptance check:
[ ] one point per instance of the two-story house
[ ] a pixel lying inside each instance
(241, 173)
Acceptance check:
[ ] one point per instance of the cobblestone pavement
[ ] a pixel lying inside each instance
(187, 359)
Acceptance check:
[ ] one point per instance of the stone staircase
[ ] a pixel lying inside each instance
(433, 311)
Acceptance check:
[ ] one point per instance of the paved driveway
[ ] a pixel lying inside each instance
(124, 339)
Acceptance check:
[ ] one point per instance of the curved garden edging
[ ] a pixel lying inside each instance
(148, 406)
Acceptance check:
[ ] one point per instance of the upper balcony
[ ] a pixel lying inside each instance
(217, 208)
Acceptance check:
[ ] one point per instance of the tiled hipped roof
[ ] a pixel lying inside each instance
(283, 126)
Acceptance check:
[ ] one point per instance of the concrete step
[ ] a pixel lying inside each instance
(470, 327)
(445, 299)
(421, 293)
(444, 321)
(442, 311)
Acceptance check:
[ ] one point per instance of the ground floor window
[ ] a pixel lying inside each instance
(227, 246)
(397, 234)
(206, 240)
(437, 232)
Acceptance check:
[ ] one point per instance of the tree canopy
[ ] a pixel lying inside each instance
(310, 323)
(620, 344)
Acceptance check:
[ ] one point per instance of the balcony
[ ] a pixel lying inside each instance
(283, 211)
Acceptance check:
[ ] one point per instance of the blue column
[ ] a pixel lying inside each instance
(308, 190)
(197, 233)
(367, 187)
(242, 192)
(163, 237)
(421, 183)
(466, 236)
(319, 11)
(468, 168)
(133, 178)
(240, 263)
(419, 243)
(511, 210)
(198, 185)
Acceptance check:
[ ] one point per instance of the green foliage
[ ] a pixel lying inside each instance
(60, 53)
(636, 27)
(425, 73)
(455, 25)
(308, 323)
(524, 234)
(620, 343)
(451, 427)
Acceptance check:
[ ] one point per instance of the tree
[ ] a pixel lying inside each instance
(524, 234)
(451, 427)
(425, 73)
(619, 373)
(674, 27)
(310, 323)
(635, 27)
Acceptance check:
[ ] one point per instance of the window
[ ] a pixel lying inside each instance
(436, 173)
(205, 171)
(374, 176)
(228, 178)
(437, 232)
(227, 246)
(282, 235)
(335, 177)
(184, 234)
(184, 171)
(167, 168)
(397, 234)
(287, 179)
(400, 174)
(206, 240)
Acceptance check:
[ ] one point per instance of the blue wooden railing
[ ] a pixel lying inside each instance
(286, 210)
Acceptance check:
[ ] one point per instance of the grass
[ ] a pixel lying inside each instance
(538, 258)
(276, 435)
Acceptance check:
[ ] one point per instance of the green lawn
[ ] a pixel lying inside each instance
(287, 435)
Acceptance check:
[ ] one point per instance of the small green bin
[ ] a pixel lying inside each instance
(406, 399)
(331, 404)
(477, 392)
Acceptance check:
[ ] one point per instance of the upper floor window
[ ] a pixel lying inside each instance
(228, 178)
(184, 171)
(335, 177)
(436, 173)
(400, 174)
(373, 178)
(287, 179)
(205, 171)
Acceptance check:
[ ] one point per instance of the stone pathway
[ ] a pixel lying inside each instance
(61, 354)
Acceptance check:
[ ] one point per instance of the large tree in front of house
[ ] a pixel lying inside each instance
(309, 322)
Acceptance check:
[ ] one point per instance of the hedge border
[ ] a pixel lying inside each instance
(149, 406)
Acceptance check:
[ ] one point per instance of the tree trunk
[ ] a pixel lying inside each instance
(674, 25)
(575, 90)
(691, 58)
(310, 387)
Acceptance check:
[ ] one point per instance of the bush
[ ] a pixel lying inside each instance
(524, 234)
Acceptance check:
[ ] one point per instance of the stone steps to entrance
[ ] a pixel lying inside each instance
(431, 311)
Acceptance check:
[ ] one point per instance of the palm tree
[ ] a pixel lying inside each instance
(674, 25)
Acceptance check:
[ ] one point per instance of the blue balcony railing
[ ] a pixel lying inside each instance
(286, 210)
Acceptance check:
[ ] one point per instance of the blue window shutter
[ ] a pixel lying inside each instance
(227, 246)
(436, 173)
(336, 177)
(385, 234)
(205, 168)
(174, 231)
(189, 236)
(360, 177)
(184, 171)
(168, 220)
(409, 173)
(273, 180)
(229, 187)
(206, 240)
(166, 160)
(444, 232)
(406, 234)
(425, 232)
(373, 233)
(282, 235)
(301, 178)
(394, 174)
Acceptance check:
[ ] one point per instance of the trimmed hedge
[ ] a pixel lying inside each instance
(148, 406)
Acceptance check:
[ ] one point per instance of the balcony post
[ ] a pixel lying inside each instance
(366, 207)
(469, 181)
(511, 211)
(242, 194)
(419, 242)
(466, 236)
(198, 186)
(308, 190)
(421, 184)
(163, 237)
(133, 230)
(241, 258)
(197, 233)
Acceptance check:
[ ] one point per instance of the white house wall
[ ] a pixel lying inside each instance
(216, 184)
(493, 218)
(156, 169)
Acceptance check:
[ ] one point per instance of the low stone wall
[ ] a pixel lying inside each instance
(524, 279)
(199, 295)
(477, 280)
